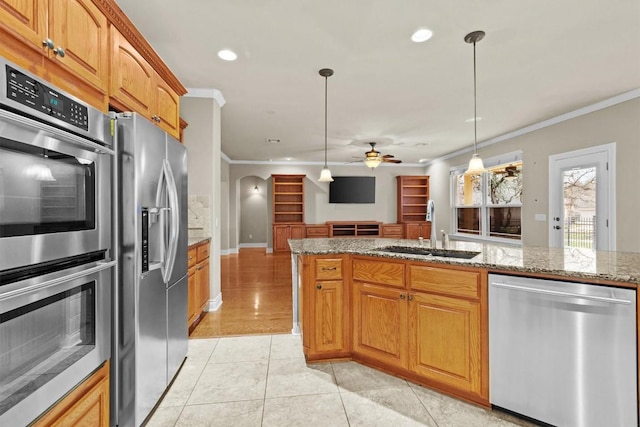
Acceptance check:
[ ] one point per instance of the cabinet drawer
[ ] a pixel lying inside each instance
(392, 230)
(328, 269)
(317, 231)
(203, 252)
(192, 257)
(377, 271)
(445, 281)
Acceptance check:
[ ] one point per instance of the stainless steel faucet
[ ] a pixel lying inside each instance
(431, 217)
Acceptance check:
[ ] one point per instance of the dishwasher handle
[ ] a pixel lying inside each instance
(560, 293)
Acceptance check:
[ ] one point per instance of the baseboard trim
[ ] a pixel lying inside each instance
(252, 245)
(215, 303)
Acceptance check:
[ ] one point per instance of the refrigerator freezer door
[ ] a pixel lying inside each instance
(176, 326)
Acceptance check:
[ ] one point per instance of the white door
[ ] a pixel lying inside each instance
(582, 198)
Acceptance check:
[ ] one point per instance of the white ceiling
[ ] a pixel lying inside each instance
(539, 59)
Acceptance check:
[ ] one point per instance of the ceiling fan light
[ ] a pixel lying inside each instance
(476, 166)
(325, 175)
(372, 162)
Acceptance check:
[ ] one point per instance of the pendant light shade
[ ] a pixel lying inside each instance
(325, 175)
(476, 167)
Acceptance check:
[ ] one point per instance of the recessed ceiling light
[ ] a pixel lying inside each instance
(471, 120)
(423, 160)
(227, 55)
(421, 35)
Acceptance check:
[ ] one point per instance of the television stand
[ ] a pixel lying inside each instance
(354, 228)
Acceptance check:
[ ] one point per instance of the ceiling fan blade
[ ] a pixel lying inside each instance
(388, 156)
(391, 160)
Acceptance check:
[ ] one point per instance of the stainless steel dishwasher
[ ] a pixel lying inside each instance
(563, 353)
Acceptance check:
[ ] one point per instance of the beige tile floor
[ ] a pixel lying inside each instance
(264, 381)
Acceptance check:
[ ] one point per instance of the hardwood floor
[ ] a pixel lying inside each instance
(256, 296)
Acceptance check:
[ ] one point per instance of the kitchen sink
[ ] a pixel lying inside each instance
(413, 250)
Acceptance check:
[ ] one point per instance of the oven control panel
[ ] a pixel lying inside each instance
(40, 97)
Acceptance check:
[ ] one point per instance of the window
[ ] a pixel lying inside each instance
(489, 206)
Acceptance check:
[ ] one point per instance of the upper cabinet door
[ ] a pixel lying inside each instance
(28, 18)
(79, 33)
(132, 78)
(167, 108)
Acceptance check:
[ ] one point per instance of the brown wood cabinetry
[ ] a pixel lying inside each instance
(392, 231)
(136, 86)
(354, 228)
(325, 308)
(283, 232)
(198, 283)
(288, 199)
(316, 230)
(448, 310)
(86, 405)
(413, 230)
(424, 321)
(413, 195)
(63, 41)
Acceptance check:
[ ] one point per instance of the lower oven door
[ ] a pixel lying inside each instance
(54, 332)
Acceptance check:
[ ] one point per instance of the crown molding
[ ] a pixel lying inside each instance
(198, 92)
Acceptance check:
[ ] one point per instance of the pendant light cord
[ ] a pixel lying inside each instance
(325, 121)
(475, 113)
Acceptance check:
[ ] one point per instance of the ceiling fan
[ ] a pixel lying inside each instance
(373, 158)
(510, 171)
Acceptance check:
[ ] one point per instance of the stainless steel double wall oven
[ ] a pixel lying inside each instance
(56, 262)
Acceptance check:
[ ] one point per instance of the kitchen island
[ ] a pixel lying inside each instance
(423, 317)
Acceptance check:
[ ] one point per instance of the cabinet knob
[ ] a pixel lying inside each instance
(318, 286)
(59, 51)
(410, 297)
(401, 296)
(48, 43)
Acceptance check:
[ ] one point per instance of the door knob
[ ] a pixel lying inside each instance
(557, 227)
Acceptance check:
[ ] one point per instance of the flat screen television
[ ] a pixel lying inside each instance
(352, 189)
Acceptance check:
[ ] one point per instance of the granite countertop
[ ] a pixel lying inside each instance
(565, 262)
(194, 241)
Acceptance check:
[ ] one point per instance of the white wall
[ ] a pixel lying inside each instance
(202, 139)
(619, 123)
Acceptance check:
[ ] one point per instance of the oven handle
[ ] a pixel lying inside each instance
(55, 132)
(97, 266)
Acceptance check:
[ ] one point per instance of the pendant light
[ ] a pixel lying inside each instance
(325, 175)
(476, 167)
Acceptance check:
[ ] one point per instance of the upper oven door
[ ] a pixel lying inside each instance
(55, 193)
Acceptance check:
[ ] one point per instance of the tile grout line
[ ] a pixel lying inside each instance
(344, 408)
(423, 405)
(266, 382)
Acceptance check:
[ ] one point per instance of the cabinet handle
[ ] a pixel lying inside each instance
(401, 296)
(48, 43)
(59, 51)
(328, 268)
(318, 287)
(410, 297)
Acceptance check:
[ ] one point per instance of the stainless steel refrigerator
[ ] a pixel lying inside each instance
(150, 293)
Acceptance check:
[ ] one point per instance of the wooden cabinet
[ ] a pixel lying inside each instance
(448, 306)
(288, 199)
(392, 231)
(412, 197)
(86, 405)
(325, 308)
(198, 285)
(136, 86)
(413, 230)
(283, 232)
(380, 324)
(63, 41)
(316, 230)
(423, 321)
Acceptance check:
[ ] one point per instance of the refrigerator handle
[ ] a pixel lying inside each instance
(161, 213)
(174, 224)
